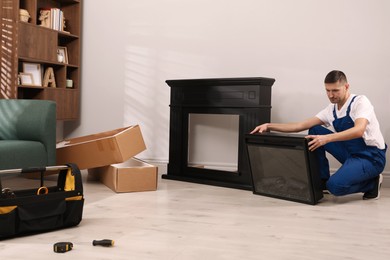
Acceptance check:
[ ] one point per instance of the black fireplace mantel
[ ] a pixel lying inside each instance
(250, 98)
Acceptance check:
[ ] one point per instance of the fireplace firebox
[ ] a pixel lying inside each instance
(249, 99)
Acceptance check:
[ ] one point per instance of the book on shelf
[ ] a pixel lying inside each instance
(52, 18)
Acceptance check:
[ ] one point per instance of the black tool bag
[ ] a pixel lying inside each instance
(43, 208)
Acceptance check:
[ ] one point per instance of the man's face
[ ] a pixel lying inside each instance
(337, 92)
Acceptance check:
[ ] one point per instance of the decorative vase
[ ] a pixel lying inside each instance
(24, 15)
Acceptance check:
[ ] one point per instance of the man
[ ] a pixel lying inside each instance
(349, 130)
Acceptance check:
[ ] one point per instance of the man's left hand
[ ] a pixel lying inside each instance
(317, 141)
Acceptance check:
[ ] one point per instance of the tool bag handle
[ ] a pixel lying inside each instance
(62, 175)
(28, 170)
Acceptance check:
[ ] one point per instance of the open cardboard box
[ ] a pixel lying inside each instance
(130, 176)
(101, 149)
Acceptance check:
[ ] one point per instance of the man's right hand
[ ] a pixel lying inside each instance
(260, 128)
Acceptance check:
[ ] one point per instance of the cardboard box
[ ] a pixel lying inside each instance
(101, 149)
(130, 176)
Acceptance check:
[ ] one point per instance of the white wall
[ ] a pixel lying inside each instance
(131, 47)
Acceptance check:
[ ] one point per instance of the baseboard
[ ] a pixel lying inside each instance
(162, 169)
(160, 164)
(386, 179)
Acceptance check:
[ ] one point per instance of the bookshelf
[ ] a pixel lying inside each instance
(32, 47)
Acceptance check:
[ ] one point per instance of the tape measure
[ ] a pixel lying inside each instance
(62, 247)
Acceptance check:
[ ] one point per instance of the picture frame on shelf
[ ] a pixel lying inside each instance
(26, 79)
(62, 54)
(36, 72)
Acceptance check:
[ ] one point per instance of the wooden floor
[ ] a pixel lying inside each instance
(191, 221)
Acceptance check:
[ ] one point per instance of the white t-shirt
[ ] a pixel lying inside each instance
(360, 108)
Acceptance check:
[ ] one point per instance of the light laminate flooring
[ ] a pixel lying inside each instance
(192, 221)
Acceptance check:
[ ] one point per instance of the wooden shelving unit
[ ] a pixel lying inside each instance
(30, 42)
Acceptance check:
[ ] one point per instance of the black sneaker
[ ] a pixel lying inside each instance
(374, 193)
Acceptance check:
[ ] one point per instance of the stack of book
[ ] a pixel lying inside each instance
(52, 18)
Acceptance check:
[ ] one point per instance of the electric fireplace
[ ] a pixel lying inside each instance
(283, 167)
(242, 102)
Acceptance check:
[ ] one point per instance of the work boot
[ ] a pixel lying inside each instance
(375, 192)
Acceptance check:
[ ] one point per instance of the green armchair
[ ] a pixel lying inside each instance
(27, 133)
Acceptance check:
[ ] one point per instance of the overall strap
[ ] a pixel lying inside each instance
(348, 109)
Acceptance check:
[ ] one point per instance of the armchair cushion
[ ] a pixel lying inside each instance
(22, 154)
(27, 133)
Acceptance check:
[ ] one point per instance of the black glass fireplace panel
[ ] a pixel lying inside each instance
(281, 172)
(282, 167)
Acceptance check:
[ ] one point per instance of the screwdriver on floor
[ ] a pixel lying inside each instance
(103, 242)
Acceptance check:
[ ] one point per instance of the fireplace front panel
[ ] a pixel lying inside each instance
(248, 98)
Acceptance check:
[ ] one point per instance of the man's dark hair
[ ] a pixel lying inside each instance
(335, 76)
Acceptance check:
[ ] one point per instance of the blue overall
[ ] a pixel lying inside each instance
(360, 163)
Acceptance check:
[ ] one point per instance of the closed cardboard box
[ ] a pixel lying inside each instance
(101, 149)
(130, 176)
